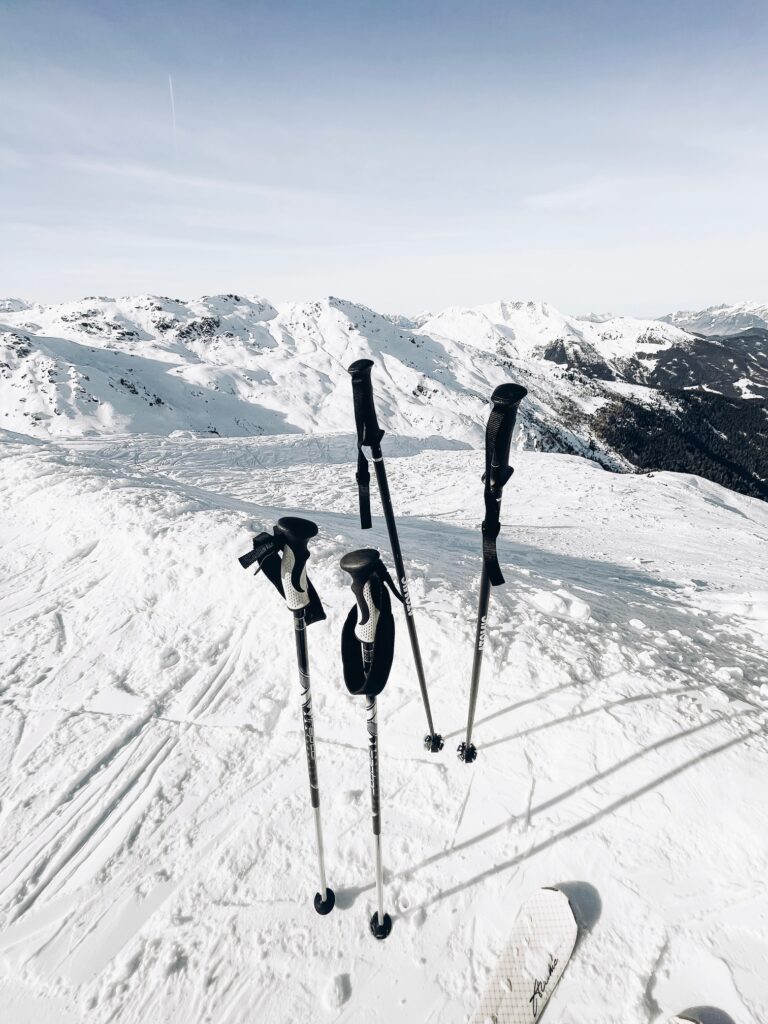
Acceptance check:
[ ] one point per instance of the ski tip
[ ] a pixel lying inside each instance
(560, 902)
(433, 742)
(467, 753)
(532, 961)
(325, 906)
(381, 931)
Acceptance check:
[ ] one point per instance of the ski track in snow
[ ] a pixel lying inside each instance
(157, 857)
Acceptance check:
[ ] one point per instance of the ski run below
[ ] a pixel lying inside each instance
(157, 854)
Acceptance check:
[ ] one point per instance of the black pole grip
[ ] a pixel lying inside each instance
(505, 401)
(296, 533)
(368, 430)
(361, 566)
(295, 530)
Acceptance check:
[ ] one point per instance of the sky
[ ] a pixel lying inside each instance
(607, 155)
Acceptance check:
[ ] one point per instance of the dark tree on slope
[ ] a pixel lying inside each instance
(720, 439)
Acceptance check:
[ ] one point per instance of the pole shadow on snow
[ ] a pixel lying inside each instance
(516, 706)
(573, 716)
(592, 819)
(346, 897)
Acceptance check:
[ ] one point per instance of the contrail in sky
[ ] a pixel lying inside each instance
(173, 110)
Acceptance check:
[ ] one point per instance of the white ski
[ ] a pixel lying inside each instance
(531, 963)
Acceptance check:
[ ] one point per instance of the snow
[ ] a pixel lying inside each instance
(745, 386)
(157, 856)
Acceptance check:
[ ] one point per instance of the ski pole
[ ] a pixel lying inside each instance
(282, 556)
(367, 650)
(369, 434)
(498, 436)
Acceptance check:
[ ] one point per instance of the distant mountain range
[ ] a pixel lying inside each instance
(630, 394)
(722, 320)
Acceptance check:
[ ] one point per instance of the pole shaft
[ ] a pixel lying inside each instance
(302, 656)
(397, 557)
(482, 615)
(379, 880)
(320, 853)
(373, 750)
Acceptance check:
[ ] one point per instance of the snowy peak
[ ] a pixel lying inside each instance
(721, 320)
(13, 305)
(410, 323)
(521, 326)
(596, 318)
(538, 330)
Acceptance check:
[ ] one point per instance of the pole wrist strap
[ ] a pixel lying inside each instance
(494, 479)
(368, 433)
(371, 680)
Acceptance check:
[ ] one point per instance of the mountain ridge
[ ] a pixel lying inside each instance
(723, 319)
(234, 365)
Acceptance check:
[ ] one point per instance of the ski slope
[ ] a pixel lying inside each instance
(157, 857)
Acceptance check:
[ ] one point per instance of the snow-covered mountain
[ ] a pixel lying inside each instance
(13, 305)
(235, 366)
(538, 330)
(721, 320)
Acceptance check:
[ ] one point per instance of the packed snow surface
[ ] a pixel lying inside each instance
(157, 858)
